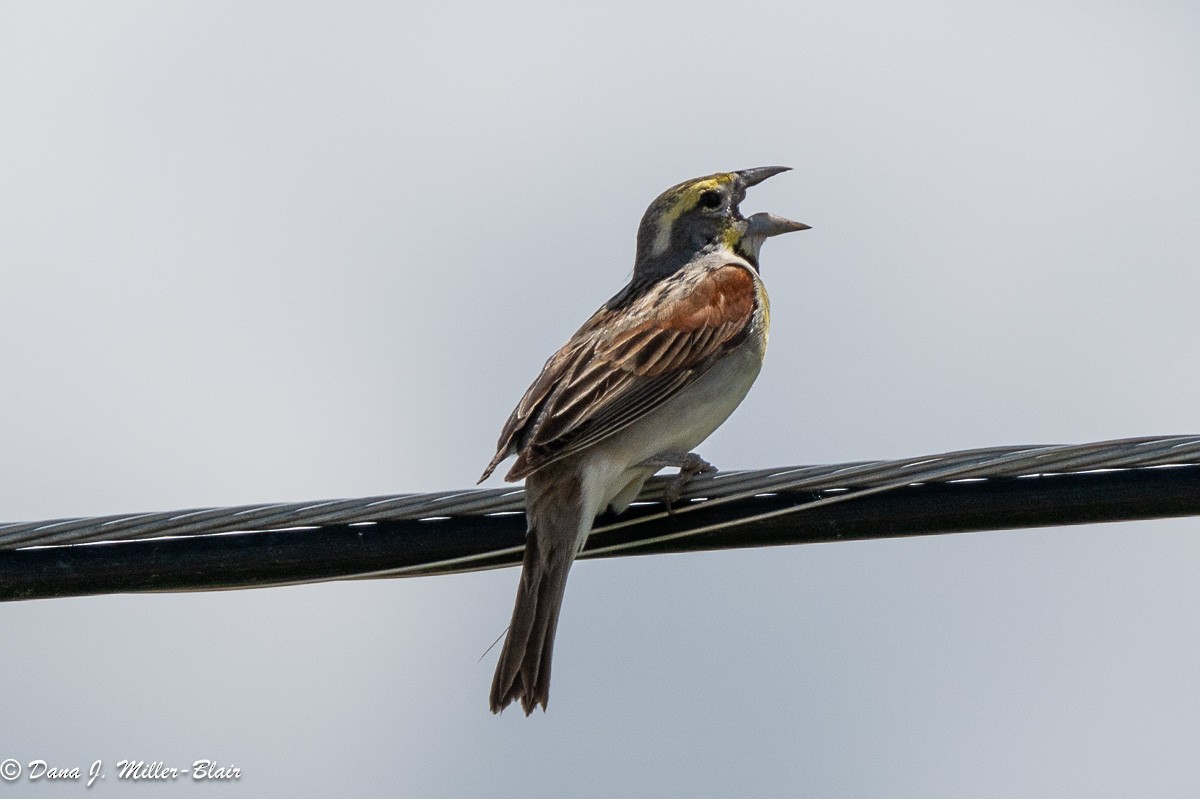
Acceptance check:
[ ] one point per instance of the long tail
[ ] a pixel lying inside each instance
(556, 524)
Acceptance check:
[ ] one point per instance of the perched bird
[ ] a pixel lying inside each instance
(655, 371)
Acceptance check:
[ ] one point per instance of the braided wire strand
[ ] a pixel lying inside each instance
(853, 479)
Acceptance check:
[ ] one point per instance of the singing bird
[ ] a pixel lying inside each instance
(652, 374)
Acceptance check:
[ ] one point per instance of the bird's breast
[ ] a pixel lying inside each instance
(761, 324)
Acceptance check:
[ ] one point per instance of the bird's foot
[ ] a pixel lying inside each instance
(689, 465)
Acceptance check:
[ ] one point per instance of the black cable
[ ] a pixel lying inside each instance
(423, 547)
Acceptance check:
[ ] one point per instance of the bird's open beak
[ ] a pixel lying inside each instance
(763, 226)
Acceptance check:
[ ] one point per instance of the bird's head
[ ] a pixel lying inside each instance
(701, 215)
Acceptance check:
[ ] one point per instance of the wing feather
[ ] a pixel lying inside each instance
(624, 362)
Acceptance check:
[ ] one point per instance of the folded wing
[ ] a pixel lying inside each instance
(624, 363)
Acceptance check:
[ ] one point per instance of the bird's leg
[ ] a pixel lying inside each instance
(689, 465)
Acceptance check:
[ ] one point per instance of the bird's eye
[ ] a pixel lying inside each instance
(710, 199)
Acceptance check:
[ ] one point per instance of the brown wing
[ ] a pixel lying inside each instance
(624, 363)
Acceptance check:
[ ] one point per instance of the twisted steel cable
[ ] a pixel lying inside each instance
(855, 479)
(457, 531)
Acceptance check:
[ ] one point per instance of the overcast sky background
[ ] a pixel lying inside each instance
(264, 252)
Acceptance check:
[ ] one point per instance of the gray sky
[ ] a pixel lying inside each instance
(262, 252)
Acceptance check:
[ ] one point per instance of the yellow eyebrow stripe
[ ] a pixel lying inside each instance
(686, 200)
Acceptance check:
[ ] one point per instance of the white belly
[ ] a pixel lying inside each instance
(676, 426)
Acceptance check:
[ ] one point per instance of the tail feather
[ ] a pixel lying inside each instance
(555, 520)
(523, 671)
